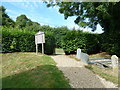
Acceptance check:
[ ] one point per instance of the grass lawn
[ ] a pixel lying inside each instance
(100, 55)
(59, 50)
(28, 70)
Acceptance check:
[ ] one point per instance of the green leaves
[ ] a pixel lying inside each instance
(110, 42)
(61, 10)
(77, 39)
(13, 44)
(103, 13)
(83, 24)
(21, 40)
(22, 21)
(77, 20)
(100, 8)
(48, 5)
(5, 19)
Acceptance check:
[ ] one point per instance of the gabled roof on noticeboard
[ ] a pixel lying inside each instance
(39, 33)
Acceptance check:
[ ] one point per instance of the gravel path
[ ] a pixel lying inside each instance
(78, 75)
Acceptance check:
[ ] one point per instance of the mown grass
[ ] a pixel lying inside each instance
(59, 50)
(108, 74)
(28, 70)
(100, 55)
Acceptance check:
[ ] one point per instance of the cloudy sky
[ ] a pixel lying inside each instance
(38, 12)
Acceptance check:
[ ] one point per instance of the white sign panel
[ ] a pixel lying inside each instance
(39, 38)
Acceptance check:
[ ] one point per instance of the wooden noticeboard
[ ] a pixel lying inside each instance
(40, 39)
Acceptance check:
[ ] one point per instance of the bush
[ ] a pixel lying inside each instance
(50, 43)
(58, 32)
(92, 43)
(18, 40)
(110, 42)
(87, 42)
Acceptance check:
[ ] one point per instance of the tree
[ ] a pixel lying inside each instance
(92, 13)
(22, 21)
(59, 32)
(5, 19)
(89, 14)
(35, 26)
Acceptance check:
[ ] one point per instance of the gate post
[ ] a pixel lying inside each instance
(78, 53)
(114, 59)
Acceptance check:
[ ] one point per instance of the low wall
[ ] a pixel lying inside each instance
(82, 56)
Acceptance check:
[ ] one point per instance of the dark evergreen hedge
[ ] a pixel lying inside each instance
(110, 42)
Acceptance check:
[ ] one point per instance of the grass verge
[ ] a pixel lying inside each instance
(59, 50)
(100, 55)
(74, 57)
(28, 70)
(105, 73)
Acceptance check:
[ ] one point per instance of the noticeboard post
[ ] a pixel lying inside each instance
(39, 39)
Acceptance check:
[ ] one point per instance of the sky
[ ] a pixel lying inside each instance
(38, 12)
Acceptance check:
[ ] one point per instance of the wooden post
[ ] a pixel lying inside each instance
(36, 48)
(42, 48)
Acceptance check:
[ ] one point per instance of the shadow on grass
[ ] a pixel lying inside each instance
(45, 76)
(48, 76)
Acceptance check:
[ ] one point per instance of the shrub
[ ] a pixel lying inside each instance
(92, 43)
(50, 43)
(87, 42)
(58, 32)
(21, 40)
(110, 42)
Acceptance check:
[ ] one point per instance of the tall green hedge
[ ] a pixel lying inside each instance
(110, 42)
(50, 43)
(87, 42)
(18, 40)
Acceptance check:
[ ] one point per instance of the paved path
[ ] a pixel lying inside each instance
(78, 75)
